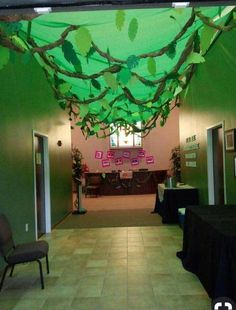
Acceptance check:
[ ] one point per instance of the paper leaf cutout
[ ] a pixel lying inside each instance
(83, 40)
(64, 88)
(110, 80)
(105, 104)
(83, 111)
(132, 62)
(195, 58)
(96, 84)
(62, 104)
(149, 104)
(70, 55)
(96, 128)
(171, 51)
(166, 96)
(124, 75)
(133, 29)
(4, 56)
(151, 66)
(207, 35)
(120, 19)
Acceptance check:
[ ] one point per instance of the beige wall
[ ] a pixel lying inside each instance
(158, 143)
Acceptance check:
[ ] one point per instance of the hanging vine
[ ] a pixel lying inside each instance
(115, 102)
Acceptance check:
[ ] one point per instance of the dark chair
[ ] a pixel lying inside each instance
(93, 185)
(22, 253)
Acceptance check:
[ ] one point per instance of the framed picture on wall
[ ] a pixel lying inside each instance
(230, 136)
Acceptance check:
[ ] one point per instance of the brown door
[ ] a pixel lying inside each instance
(218, 168)
(40, 186)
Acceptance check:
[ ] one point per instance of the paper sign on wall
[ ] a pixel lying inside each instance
(134, 161)
(106, 163)
(110, 154)
(98, 154)
(150, 160)
(118, 161)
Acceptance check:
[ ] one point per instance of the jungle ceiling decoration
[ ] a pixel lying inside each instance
(111, 69)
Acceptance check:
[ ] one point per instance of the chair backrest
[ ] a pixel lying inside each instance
(94, 180)
(6, 240)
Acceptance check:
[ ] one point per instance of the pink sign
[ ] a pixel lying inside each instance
(150, 160)
(134, 161)
(141, 153)
(98, 154)
(110, 154)
(126, 154)
(119, 161)
(106, 163)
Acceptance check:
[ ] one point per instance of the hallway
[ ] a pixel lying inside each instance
(128, 268)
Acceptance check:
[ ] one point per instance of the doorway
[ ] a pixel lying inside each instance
(216, 164)
(41, 181)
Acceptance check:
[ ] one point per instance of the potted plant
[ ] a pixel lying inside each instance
(77, 173)
(176, 163)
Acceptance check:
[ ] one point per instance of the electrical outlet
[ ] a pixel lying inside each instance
(26, 227)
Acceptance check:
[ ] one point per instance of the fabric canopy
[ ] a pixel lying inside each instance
(120, 67)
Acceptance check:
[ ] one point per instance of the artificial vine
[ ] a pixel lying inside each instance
(115, 103)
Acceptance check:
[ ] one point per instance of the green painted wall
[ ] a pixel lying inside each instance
(27, 104)
(211, 98)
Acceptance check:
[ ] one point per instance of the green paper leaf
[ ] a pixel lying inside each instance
(96, 128)
(171, 51)
(4, 57)
(83, 40)
(133, 29)
(96, 84)
(149, 104)
(83, 110)
(105, 104)
(62, 104)
(110, 80)
(124, 75)
(70, 55)
(167, 96)
(195, 58)
(207, 35)
(132, 62)
(151, 66)
(120, 19)
(64, 88)
(18, 42)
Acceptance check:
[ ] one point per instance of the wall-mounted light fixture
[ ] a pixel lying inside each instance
(59, 143)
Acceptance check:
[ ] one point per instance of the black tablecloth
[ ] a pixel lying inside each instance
(173, 199)
(209, 248)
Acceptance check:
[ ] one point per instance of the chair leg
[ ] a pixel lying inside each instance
(12, 269)
(3, 276)
(41, 274)
(47, 263)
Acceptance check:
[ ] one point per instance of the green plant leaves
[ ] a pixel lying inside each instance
(133, 29)
(151, 66)
(120, 19)
(4, 56)
(132, 62)
(70, 55)
(110, 80)
(83, 40)
(64, 88)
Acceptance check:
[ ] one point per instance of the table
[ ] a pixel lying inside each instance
(129, 182)
(169, 200)
(209, 248)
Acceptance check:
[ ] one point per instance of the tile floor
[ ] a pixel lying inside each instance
(108, 269)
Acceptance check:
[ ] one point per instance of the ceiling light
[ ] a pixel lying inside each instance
(180, 5)
(43, 10)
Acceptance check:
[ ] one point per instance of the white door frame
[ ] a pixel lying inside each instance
(46, 171)
(210, 166)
